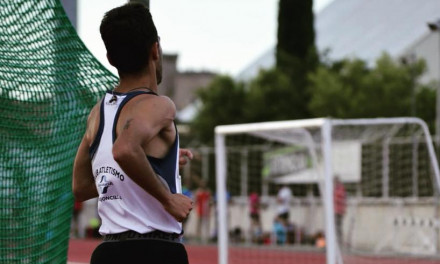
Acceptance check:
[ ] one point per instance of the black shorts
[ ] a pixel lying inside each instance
(147, 251)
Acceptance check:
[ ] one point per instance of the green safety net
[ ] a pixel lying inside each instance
(48, 83)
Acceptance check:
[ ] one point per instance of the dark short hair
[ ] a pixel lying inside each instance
(128, 33)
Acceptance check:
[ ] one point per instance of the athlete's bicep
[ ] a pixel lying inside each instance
(83, 184)
(146, 121)
(93, 123)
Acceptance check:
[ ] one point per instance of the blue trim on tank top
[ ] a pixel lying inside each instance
(161, 166)
(97, 140)
(129, 96)
(166, 167)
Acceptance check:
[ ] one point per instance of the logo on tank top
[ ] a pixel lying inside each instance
(104, 184)
(109, 170)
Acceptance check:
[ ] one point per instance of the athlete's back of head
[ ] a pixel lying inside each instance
(128, 33)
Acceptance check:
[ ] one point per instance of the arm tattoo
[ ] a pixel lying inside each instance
(127, 124)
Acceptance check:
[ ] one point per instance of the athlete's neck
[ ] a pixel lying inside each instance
(128, 83)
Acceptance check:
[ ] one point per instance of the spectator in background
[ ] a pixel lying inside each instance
(320, 240)
(339, 199)
(92, 230)
(284, 197)
(203, 200)
(77, 208)
(254, 204)
(282, 219)
(229, 202)
(187, 192)
(279, 230)
(256, 230)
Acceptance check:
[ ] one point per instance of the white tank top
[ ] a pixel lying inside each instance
(122, 204)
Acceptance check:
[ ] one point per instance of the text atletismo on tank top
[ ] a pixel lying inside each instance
(122, 204)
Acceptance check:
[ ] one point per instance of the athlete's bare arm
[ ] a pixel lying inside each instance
(83, 183)
(145, 128)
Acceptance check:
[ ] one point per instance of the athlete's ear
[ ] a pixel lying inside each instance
(155, 51)
(109, 60)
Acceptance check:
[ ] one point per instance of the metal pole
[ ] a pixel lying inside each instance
(244, 172)
(328, 193)
(220, 164)
(415, 165)
(435, 27)
(386, 168)
(437, 105)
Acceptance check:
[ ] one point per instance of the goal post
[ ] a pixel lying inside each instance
(220, 156)
(388, 164)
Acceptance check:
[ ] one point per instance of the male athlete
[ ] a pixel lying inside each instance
(129, 155)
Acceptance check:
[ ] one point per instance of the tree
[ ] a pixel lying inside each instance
(425, 106)
(351, 89)
(296, 36)
(221, 104)
(271, 96)
(295, 51)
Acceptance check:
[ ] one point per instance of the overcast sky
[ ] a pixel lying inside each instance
(223, 36)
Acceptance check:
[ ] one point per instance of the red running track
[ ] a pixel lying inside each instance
(80, 251)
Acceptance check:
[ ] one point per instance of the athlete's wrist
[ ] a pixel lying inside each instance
(166, 201)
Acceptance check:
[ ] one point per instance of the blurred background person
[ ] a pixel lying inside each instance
(187, 192)
(279, 231)
(75, 228)
(284, 197)
(256, 231)
(203, 207)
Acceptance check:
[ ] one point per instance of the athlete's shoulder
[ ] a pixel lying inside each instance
(157, 104)
(94, 112)
(158, 98)
(93, 121)
(168, 102)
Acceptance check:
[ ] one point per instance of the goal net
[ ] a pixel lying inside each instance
(327, 191)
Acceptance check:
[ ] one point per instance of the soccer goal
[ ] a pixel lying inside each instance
(363, 191)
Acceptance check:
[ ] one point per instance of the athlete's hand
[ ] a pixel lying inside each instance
(179, 206)
(184, 156)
